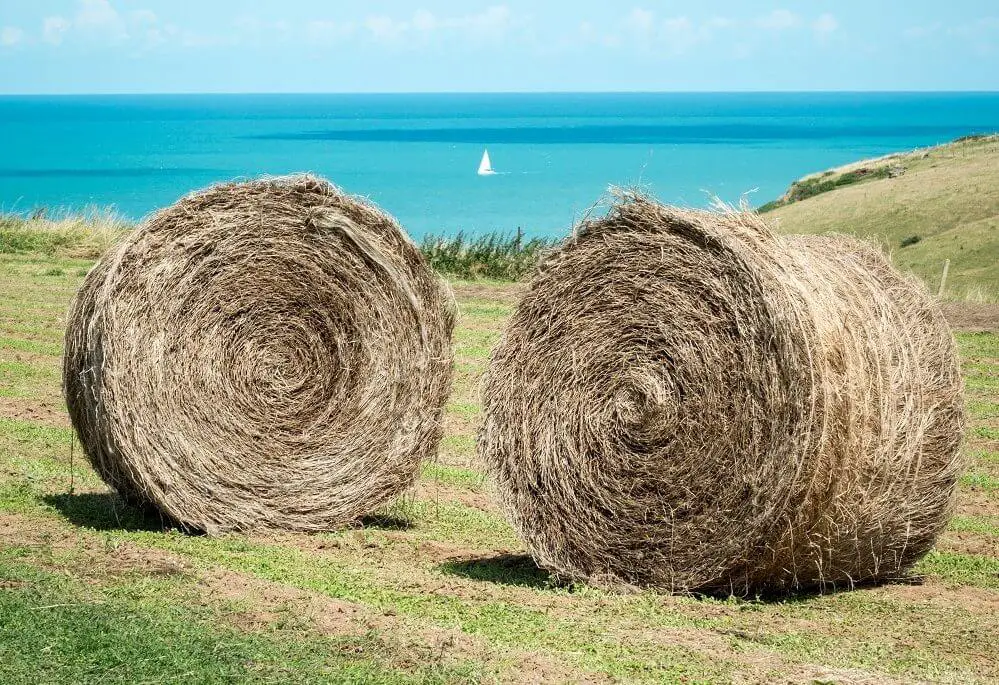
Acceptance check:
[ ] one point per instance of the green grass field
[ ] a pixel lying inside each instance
(436, 588)
(944, 205)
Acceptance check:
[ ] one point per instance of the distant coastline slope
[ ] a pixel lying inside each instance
(924, 207)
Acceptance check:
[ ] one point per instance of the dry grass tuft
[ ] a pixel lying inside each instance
(688, 401)
(86, 235)
(272, 354)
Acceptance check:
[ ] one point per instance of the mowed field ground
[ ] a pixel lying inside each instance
(437, 588)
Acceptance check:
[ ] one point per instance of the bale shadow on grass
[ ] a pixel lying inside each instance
(808, 594)
(385, 522)
(502, 569)
(107, 511)
(521, 570)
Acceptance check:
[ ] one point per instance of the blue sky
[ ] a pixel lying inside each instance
(134, 46)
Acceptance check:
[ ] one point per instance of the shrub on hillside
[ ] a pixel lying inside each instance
(496, 255)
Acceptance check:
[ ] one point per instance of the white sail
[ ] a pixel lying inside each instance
(485, 167)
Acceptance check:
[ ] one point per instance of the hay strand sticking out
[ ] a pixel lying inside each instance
(271, 354)
(687, 401)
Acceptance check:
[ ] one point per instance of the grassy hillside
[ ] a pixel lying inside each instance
(924, 207)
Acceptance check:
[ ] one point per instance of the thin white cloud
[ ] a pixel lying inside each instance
(640, 22)
(721, 23)
(385, 29)
(99, 21)
(491, 24)
(680, 35)
(589, 34)
(196, 40)
(979, 27)
(326, 32)
(143, 17)
(825, 25)
(93, 18)
(54, 29)
(101, 18)
(922, 31)
(11, 36)
(779, 20)
(139, 30)
(643, 29)
(250, 29)
(146, 29)
(253, 26)
(425, 21)
(980, 35)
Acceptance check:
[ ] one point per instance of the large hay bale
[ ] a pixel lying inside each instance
(271, 354)
(687, 401)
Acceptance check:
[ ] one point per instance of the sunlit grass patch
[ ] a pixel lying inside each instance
(984, 525)
(984, 457)
(20, 374)
(961, 569)
(983, 410)
(980, 481)
(87, 234)
(976, 346)
(41, 457)
(460, 447)
(454, 476)
(985, 432)
(466, 410)
(474, 344)
(58, 630)
(32, 346)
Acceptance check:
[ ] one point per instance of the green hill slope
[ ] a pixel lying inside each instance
(924, 207)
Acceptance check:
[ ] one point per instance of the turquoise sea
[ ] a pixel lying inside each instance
(416, 155)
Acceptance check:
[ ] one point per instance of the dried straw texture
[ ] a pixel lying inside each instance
(272, 354)
(687, 401)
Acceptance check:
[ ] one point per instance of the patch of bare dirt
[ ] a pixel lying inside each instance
(18, 530)
(32, 358)
(415, 643)
(968, 543)
(972, 317)
(972, 599)
(975, 502)
(507, 293)
(756, 663)
(101, 560)
(455, 424)
(266, 601)
(439, 492)
(45, 412)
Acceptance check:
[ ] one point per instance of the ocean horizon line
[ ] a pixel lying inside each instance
(417, 154)
(497, 92)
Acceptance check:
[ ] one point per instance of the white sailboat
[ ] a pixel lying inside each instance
(485, 166)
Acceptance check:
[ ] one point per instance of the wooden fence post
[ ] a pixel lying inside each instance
(943, 279)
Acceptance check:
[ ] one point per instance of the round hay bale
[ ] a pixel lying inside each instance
(271, 354)
(687, 401)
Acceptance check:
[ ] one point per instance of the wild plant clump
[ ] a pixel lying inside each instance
(85, 235)
(495, 256)
(688, 401)
(271, 354)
